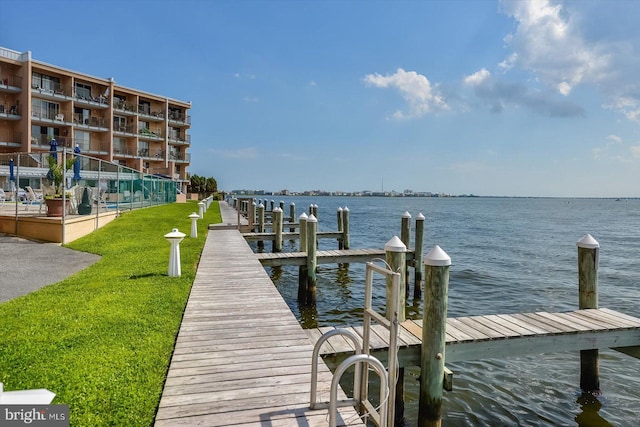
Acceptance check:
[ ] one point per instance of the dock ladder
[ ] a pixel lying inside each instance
(388, 377)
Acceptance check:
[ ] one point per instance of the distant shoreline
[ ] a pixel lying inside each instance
(425, 195)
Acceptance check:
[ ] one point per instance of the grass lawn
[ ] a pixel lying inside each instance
(102, 339)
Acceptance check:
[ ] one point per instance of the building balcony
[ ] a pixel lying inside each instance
(10, 84)
(149, 134)
(180, 157)
(150, 113)
(179, 119)
(124, 107)
(91, 123)
(54, 92)
(10, 139)
(47, 116)
(179, 140)
(10, 112)
(100, 101)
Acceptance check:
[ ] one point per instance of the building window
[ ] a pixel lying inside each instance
(82, 115)
(119, 124)
(120, 145)
(44, 109)
(83, 91)
(44, 82)
(143, 149)
(144, 107)
(174, 133)
(83, 139)
(142, 125)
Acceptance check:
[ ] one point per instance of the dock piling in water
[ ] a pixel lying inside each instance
(418, 267)
(312, 230)
(277, 225)
(434, 323)
(588, 249)
(345, 228)
(302, 270)
(405, 236)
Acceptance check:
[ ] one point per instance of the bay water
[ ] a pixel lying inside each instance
(509, 255)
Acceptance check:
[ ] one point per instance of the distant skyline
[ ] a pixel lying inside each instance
(492, 98)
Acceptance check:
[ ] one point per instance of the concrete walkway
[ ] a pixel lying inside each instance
(26, 266)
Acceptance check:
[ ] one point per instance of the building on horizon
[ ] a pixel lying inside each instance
(129, 127)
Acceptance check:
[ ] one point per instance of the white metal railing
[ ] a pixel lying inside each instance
(388, 377)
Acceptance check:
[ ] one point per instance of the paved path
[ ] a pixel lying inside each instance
(26, 266)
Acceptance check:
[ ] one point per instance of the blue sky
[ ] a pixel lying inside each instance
(524, 98)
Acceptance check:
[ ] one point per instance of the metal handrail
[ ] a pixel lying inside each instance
(314, 366)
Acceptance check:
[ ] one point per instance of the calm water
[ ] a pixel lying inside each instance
(508, 256)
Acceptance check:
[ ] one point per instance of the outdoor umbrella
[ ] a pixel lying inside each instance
(76, 165)
(53, 150)
(12, 177)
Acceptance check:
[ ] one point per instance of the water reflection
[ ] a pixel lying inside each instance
(590, 417)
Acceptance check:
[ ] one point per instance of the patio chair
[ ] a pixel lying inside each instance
(31, 198)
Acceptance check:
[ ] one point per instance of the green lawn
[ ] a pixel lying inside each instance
(102, 338)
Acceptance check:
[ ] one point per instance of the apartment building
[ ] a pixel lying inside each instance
(136, 129)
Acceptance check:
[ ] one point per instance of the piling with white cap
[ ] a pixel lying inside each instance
(260, 224)
(588, 254)
(174, 237)
(434, 325)
(292, 216)
(194, 227)
(395, 256)
(302, 270)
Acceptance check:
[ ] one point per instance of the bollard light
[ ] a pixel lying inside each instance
(194, 227)
(175, 237)
(201, 207)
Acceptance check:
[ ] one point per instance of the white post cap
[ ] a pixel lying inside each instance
(292, 204)
(175, 234)
(312, 218)
(194, 215)
(346, 209)
(395, 245)
(588, 242)
(339, 208)
(277, 209)
(406, 214)
(420, 217)
(261, 205)
(303, 216)
(437, 258)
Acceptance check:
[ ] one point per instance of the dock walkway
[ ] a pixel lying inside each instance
(241, 357)
(485, 337)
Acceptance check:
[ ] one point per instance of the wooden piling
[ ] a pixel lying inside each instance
(339, 215)
(405, 236)
(312, 230)
(292, 216)
(277, 229)
(395, 256)
(302, 270)
(272, 205)
(588, 249)
(260, 224)
(434, 324)
(345, 228)
(418, 267)
(314, 210)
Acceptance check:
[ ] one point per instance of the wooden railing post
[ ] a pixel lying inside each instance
(434, 325)
(417, 259)
(405, 236)
(588, 249)
(396, 258)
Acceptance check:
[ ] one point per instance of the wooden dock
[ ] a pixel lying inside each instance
(500, 336)
(341, 256)
(241, 357)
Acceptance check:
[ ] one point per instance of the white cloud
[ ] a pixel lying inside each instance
(614, 138)
(477, 78)
(549, 43)
(422, 98)
(635, 151)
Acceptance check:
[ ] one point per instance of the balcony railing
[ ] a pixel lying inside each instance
(10, 137)
(148, 133)
(92, 121)
(11, 81)
(124, 106)
(124, 129)
(82, 97)
(42, 141)
(179, 118)
(52, 90)
(180, 157)
(179, 139)
(45, 114)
